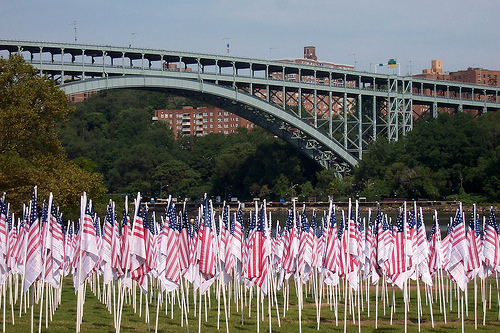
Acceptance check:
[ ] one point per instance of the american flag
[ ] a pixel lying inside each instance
(411, 226)
(138, 239)
(435, 256)
(184, 241)
(258, 251)
(491, 242)
(3, 227)
(125, 239)
(384, 241)
(473, 262)
(57, 237)
(34, 247)
(138, 251)
(228, 240)
(291, 244)
(459, 246)
(331, 242)
(87, 253)
(304, 258)
(459, 250)
(172, 268)
(371, 267)
(11, 241)
(115, 244)
(317, 255)
(396, 265)
(421, 252)
(207, 255)
(237, 232)
(106, 248)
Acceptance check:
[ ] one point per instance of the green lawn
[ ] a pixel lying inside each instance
(97, 318)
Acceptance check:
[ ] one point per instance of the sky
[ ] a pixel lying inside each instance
(462, 33)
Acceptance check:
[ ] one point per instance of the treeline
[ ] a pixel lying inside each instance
(450, 157)
(112, 133)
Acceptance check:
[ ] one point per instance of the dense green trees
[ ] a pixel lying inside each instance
(134, 153)
(446, 156)
(31, 108)
(451, 155)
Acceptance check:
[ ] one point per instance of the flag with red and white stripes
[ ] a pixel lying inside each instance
(459, 249)
(33, 268)
(207, 253)
(491, 245)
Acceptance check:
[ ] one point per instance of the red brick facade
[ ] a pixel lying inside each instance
(201, 121)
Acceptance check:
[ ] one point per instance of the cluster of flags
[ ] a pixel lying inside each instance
(223, 247)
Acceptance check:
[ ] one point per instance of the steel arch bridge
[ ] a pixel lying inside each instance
(331, 114)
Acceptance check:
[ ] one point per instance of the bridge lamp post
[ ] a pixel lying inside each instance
(292, 188)
(161, 189)
(355, 62)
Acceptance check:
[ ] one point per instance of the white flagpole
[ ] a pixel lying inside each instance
(347, 262)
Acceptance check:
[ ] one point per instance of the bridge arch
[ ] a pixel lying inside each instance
(303, 136)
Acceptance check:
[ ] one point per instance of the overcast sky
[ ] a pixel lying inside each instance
(462, 33)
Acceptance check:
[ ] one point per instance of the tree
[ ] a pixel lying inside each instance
(31, 109)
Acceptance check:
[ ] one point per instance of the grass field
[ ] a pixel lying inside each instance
(96, 317)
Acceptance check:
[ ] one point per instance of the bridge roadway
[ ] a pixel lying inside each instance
(331, 114)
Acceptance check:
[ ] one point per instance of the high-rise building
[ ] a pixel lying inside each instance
(201, 121)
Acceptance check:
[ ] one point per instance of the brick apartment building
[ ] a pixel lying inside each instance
(469, 75)
(201, 121)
